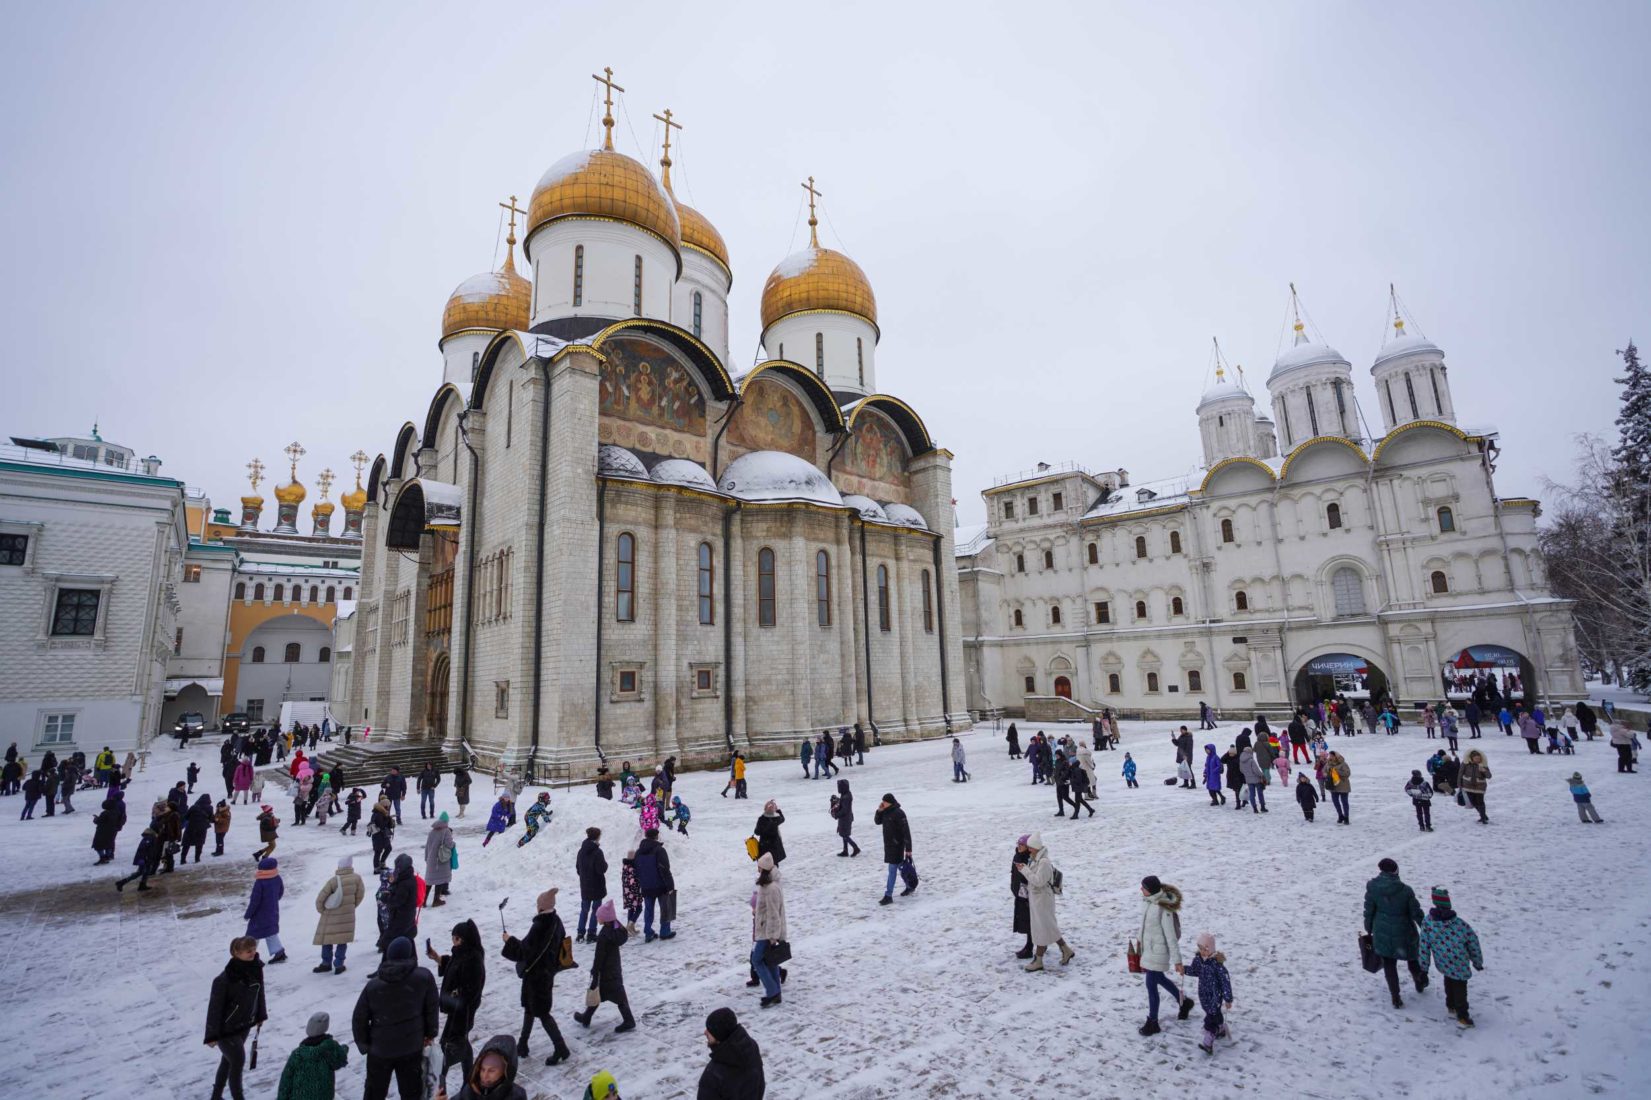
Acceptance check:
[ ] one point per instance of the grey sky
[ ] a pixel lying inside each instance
(227, 226)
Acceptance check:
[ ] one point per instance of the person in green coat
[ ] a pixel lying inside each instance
(1392, 916)
(309, 1071)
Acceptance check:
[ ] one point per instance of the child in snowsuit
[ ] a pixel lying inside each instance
(501, 817)
(680, 814)
(1584, 800)
(1215, 989)
(538, 816)
(1306, 797)
(1129, 771)
(1453, 946)
(1421, 797)
(631, 889)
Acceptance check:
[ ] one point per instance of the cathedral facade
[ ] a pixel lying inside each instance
(598, 542)
(1301, 558)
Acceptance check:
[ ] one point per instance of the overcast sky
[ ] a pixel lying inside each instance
(228, 226)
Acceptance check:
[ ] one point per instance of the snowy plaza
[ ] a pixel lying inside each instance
(923, 997)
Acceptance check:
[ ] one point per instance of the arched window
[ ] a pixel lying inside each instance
(1227, 530)
(258, 591)
(765, 587)
(1020, 563)
(240, 590)
(1195, 680)
(1332, 516)
(1347, 590)
(1114, 683)
(280, 593)
(347, 591)
(1176, 607)
(699, 314)
(624, 595)
(1440, 584)
(1020, 620)
(1055, 615)
(1094, 554)
(325, 655)
(1152, 681)
(707, 586)
(1239, 683)
(332, 594)
(882, 597)
(1140, 546)
(1241, 600)
(578, 275)
(1049, 559)
(819, 354)
(1140, 609)
(292, 653)
(636, 289)
(1447, 521)
(315, 593)
(928, 605)
(822, 587)
(257, 654)
(1175, 542)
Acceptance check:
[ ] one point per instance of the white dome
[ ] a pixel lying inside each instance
(614, 461)
(1307, 355)
(775, 475)
(1404, 347)
(1224, 391)
(680, 471)
(868, 508)
(906, 516)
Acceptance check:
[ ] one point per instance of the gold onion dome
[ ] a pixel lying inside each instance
(817, 278)
(603, 183)
(290, 493)
(492, 300)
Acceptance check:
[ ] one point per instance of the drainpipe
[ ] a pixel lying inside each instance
(865, 620)
(940, 620)
(539, 570)
(728, 626)
(469, 587)
(601, 579)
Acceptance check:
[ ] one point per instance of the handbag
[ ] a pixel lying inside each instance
(1132, 956)
(777, 952)
(593, 997)
(1368, 958)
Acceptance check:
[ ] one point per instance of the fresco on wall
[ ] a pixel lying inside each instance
(649, 402)
(873, 463)
(773, 418)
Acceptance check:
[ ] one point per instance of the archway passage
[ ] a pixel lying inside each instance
(1487, 674)
(1063, 687)
(1332, 674)
(435, 708)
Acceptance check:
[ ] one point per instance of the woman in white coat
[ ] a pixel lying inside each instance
(1160, 947)
(767, 927)
(1039, 874)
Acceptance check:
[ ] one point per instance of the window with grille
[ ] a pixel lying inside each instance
(75, 613)
(579, 275)
(765, 587)
(822, 587)
(1347, 589)
(707, 586)
(928, 605)
(883, 598)
(624, 602)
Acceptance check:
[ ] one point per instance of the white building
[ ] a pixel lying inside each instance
(92, 551)
(1300, 558)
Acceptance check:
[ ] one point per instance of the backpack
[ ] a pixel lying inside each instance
(752, 848)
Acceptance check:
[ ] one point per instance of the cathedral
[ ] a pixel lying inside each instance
(599, 542)
(1306, 556)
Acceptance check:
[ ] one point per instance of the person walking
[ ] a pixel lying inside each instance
(1622, 739)
(235, 1006)
(1212, 776)
(1451, 944)
(263, 911)
(653, 874)
(592, 868)
(1255, 777)
(896, 844)
(1338, 784)
(537, 957)
(340, 896)
(312, 1068)
(607, 974)
(441, 853)
(428, 780)
(399, 900)
(1160, 947)
(767, 832)
(768, 929)
(735, 1070)
(1041, 878)
(395, 1018)
(1475, 776)
(845, 818)
(960, 774)
(1391, 917)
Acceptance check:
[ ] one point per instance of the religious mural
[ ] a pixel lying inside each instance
(650, 402)
(874, 462)
(772, 418)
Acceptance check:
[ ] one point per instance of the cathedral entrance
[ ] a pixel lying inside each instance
(1063, 688)
(1331, 674)
(435, 710)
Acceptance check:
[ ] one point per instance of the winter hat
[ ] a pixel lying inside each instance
(319, 1025)
(400, 948)
(1388, 865)
(1035, 841)
(605, 913)
(1151, 884)
(1441, 898)
(1206, 941)
(721, 1024)
(547, 901)
(346, 863)
(268, 863)
(1020, 842)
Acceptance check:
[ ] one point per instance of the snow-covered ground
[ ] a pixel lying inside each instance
(105, 994)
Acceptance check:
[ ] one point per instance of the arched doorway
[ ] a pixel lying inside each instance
(1063, 687)
(1487, 674)
(1331, 674)
(435, 710)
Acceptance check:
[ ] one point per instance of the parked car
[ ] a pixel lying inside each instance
(238, 722)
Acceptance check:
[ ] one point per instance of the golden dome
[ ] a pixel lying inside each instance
(817, 278)
(492, 300)
(290, 493)
(354, 500)
(698, 232)
(603, 183)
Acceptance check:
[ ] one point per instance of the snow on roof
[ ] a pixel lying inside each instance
(1147, 494)
(1404, 346)
(612, 461)
(971, 540)
(868, 508)
(905, 515)
(681, 471)
(775, 475)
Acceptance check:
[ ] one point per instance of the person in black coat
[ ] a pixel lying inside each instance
(395, 1018)
(607, 976)
(735, 1069)
(845, 818)
(896, 843)
(767, 832)
(653, 875)
(463, 977)
(1017, 888)
(235, 1007)
(592, 868)
(401, 905)
(195, 825)
(536, 956)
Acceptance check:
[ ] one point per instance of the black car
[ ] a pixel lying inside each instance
(238, 722)
(189, 724)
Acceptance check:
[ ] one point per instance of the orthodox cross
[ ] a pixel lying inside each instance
(813, 222)
(607, 101)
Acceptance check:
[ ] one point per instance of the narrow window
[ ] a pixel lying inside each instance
(1058, 502)
(258, 591)
(1195, 680)
(1055, 616)
(332, 594)
(1175, 542)
(347, 591)
(1094, 554)
(1440, 585)
(177, 642)
(1332, 516)
(257, 654)
(280, 593)
(1019, 619)
(1152, 681)
(1239, 683)
(1103, 612)
(699, 314)
(579, 275)
(822, 587)
(1049, 559)
(1140, 609)
(819, 354)
(1008, 509)
(292, 653)
(241, 590)
(860, 357)
(1114, 683)
(1176, 607)
(636, 289)
(707, 586)
(1020, 563)
(1410, 391)
(1241, 600)
(1140, 546)
(928, 605)
(1031, 685)
(765, 587)
(624, 602)
(1226, 530)
(883, 597)
(1447, 521)
(325, 655)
